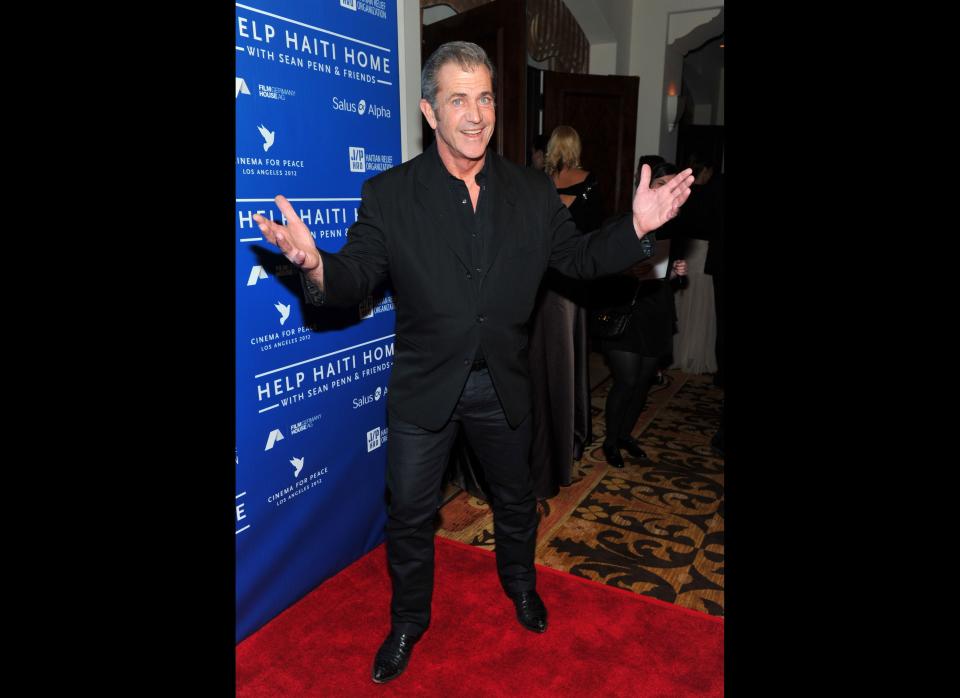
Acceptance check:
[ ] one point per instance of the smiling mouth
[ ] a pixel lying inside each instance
(473, 134)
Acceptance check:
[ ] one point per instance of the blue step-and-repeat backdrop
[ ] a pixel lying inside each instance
(317, 113)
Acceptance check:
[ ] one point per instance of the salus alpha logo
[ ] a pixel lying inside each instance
(242, 88)
(256, 274)
(357, 160)
(341, 104)
(275, 435)
(268, 137)
(297, 464)
(349, 4)
(284, 311)
(369, 399)
(375, 111)
(361, 108)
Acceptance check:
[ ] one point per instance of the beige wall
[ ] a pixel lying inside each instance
(408, 48)
(640, 28)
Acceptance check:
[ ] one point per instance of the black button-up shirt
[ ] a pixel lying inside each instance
(473, 226)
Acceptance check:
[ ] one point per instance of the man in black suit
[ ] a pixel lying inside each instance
(465, 238)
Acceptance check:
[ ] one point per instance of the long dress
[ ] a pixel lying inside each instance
(559, 354)
(694, 344)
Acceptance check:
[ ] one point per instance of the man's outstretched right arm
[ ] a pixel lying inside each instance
(297, 245)
(343, 278)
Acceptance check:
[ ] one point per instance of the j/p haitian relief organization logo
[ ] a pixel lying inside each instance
(256, 274)
(376, 437)
(275, 435)
(242, 88)
(377, 8)
(268, 136)
(297, 464)
(368, 307)
(362, 161)
(358, 162)
(284, 311)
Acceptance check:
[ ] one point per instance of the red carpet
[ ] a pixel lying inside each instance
(600, 641)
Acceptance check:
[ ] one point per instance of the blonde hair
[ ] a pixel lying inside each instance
(563, 150)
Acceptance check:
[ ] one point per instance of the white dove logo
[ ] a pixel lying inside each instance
(268, 136)
(297, 464)
(284, 311)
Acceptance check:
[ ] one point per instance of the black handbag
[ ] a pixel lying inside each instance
(609, 323)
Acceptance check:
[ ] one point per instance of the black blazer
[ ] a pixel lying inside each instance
(402, 233)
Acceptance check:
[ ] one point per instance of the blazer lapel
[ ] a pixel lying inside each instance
(504, 212)
(433, 194)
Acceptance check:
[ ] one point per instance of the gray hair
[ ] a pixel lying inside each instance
(468, 55)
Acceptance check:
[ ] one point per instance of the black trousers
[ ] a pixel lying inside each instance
(416, 460)
(632, 378)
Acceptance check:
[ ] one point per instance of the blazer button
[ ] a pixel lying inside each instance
(466, 362)
(469, 275)
(481, 318)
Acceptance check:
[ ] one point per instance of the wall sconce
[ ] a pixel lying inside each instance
(671, 112)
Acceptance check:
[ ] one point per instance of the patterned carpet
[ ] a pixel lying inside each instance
(654, 527)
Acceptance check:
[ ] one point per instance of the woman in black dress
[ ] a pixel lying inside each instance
(634, 356)
(559, 342)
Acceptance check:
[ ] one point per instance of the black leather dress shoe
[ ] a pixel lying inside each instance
(612, 454)
(632, 447)
(531, 612)
(392, 657)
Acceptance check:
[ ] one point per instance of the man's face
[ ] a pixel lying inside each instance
(465, 115)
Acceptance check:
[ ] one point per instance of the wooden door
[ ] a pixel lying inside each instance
(603, 110)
